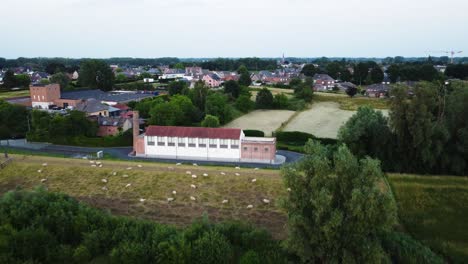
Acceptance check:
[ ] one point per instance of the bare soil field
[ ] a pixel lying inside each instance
(264, 120)
(323, 119)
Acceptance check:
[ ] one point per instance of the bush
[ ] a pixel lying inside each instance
(253, 133)
(404, 249)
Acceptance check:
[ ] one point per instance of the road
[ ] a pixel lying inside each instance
(123, 153)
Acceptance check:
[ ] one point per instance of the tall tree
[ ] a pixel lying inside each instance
(96, 74)
(376, 75)
(264, 99)
(337, 208)
(309, 70)
(177, 87)
(9, 80)
(61, 78)
(233, 88)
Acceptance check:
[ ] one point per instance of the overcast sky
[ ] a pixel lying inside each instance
(236, 28)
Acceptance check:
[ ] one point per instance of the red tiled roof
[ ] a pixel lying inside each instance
(121, 106)
(193, 132)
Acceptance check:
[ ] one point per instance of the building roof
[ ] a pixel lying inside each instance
(111, 121)
(194, 132)
(103, 96)
(91, 106)
(321, 76)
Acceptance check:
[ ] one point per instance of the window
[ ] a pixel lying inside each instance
(202, 142)
(161, 141)
(255, 149)
(223, 143)
(171, 141)
(192, 142)
(181, 142)
(266, 149)
(235, 144)
(213, 143)
(150, 141)
(245, 148)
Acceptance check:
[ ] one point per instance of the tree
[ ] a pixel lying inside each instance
(242, 70)
(54, 67)
(96, 74)
(295, 82)
(304, 91)
(60, 78)
(177, 87)
(9, 80)
(376, 75)
(264, 99)
(198, 95)
(337, 207)
(216, 105)
(351, 91)
(245, 80)
(211, 247)
(23, 80)
(120, 78)
(309, 70)
(361, 71)
(13, 120)
(280, 101)
(210, 121)
(244, 103)
(165, 114)
(179, 66)
(186, 107)
(393, 72)
(233, 88)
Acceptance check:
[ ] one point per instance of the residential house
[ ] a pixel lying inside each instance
(212, 80)
(378, 90)
(323, 82)
(111, 126)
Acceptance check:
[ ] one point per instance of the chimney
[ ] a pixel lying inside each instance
(136, 129)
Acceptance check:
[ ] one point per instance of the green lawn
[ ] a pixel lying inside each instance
(348, 103)
(434, 210)
(11, 94)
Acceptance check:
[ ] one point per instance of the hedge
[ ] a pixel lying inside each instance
(300, 138)
(253, 133)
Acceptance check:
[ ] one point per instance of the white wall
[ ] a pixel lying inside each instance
(42, 105)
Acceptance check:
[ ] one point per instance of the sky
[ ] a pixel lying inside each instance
(240, 28)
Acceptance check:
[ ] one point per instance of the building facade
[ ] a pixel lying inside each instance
(200, 143)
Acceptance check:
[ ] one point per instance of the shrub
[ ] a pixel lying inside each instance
(253, 133)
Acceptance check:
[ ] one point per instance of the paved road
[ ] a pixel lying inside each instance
(122, 153)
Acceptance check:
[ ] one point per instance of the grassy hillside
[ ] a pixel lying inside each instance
(434, 210)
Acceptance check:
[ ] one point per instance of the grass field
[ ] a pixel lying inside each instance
(11, 94)
(264, 120)
(351, 104)
(432, 209)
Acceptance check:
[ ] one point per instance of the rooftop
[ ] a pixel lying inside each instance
(103, 96)
(193, 132)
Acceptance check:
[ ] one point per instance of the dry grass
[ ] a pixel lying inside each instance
(264, 120)
(351, 104)
(12, 94)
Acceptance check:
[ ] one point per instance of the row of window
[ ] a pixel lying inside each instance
(192, 142)
(256, 149)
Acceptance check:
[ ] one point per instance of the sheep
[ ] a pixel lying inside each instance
(39, 171)
(104, 188)
(104, 180)
(237, 168)
(266, 201)
(225, 201)
(254, 180)
(128, 185)
(249, 206)
(178, 164)
(91, 161)
(114, 173)
(93, 165)
(139, 166)
(142, 200)
(170, 199)
(174, 192)
(237, 174)
(256, 169)
(125, 175)
(194, 164)
(43, 180)
(192, 198)
(289, 189)
(193, 186)
(98, 162)
(222, 173)
(44, 164)
(129, 168)
(171, 168)
(194, 176)
(100, 165)
(205, 174)
(188, 172)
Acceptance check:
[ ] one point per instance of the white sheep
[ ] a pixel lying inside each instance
(174, 192)
(39, 171)
(237, 174)
(129, 168)
(104, 180)
(114, 173)
(178, 164)
(98, 162)
(192, 198)
(225, 201)
(91, 161)
(222, 173)
(254, 180)
(266, 201)
(170, 199)
(128, 185)
(289, 189)
(125, 175)
(93, 165)
(171, 168)
(193, 186)
(142, 200)
(194, 176)
(249, 206)
(104, 188)
(44, 164)
(188, 172)
(256, 169)
(194, 164)
(205, 174)
(237, 168)
(43, 180)
(100, 165)
(139, 166)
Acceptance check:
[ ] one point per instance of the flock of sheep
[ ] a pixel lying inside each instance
(99, 164)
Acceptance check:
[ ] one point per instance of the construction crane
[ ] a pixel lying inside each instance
(450, 52)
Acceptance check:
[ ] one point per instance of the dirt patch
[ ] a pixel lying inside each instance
(264, 120)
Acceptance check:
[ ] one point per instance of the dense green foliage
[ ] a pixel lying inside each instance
(13, 120)
(96, 74)
(41, 227)
(210, 121)
(427, 132)
(336, 211)
(10, 80)
(253, 133)
(264, 99)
